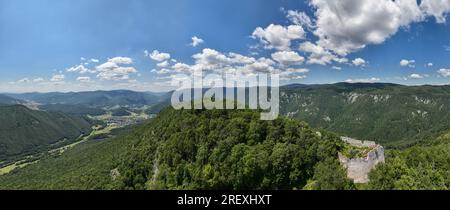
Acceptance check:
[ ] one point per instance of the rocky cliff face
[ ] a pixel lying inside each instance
(359, 168)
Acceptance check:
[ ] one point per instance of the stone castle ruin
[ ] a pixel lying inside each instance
(358, 168)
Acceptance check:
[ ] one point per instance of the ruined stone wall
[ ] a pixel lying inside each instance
(358, 143)
(358, 168)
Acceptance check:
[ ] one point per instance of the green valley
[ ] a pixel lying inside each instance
(24, 131)
(391, 114)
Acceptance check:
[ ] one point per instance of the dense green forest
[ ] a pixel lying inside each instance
(425, 166)
(394, 115)
(195, 149)
(86, 166)
(24, 131)
(222, 149)
(77, 110)
(234, 149)
(122, 111)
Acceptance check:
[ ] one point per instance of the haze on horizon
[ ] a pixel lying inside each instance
(141, 45)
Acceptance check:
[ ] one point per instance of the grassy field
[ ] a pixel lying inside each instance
(96, 131)
(20, 164)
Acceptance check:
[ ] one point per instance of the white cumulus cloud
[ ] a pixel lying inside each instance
(121, 60)
(368, 80)
(39, 79)
(159, 56)
(293, 73)
(416, 76)
(318, 54)
(80, 69)
(84, 79)
(346, 26)
(163, 64)
(409, 63)
(288, 58)
(444, 72)
(24, 80)
(114, 69)
(196, 41)
(278, 37)
(359, 62)
(436, 8)
(57, 78)
(210, 59)
(336, 68)
(300, 18)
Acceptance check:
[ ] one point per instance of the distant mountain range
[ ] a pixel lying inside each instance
(94, 98)
(6, 100)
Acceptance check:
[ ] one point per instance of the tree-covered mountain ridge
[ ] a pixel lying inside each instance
(196, 149)
(392, 114)
(6, 100)
(387, 113)
(24, 131)
(94, 99)
(425, 166)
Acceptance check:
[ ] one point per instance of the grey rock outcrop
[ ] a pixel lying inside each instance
(358, 168)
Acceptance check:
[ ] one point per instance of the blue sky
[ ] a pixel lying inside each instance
(40, 41)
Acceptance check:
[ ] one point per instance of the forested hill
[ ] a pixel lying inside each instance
(24, 131)
(223, 149)
(425, 166)
(196, 149)
(6, 100)
(387, 113)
